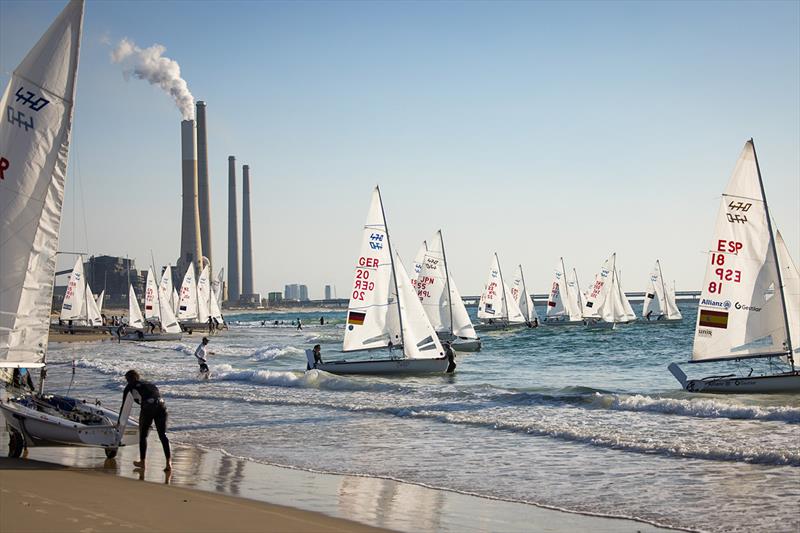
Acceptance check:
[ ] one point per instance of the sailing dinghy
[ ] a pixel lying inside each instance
(519, 291)
(80, 310)
(34, 141)
(604, 306)
(659, 305)
(497, 308)
(385, 312)
(440, 298)
(563, 307)
(137, 329)
(750, 304)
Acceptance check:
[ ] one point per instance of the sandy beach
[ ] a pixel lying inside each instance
(78, 489)
(38, 496)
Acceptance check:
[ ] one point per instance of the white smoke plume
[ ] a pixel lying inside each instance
(149, 64)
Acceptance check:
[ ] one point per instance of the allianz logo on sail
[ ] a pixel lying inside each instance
(707, 302)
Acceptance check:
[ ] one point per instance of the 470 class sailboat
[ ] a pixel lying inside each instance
(750, 304)
(34, 141)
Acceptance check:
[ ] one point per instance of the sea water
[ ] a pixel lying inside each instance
(583, 420)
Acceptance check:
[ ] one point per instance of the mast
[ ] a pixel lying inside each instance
(524, 293)
(775, 258)
(394, 276)
(614, 278)
(502, 287)
(566, 286)
(447, 281)
(578, 283)
(664, 289)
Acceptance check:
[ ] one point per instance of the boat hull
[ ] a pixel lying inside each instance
(552, 322)
(386, 366)
(498, 326)
(41, 428)
(460, 344)
(148, 337)
(785, 383)
(662, 321)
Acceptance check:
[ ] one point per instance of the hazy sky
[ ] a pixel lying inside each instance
(534, 129)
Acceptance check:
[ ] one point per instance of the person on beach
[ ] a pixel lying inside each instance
(451, 357)
(322, 321)
(211, 325)
(299, 324)
(120, 332)
(152, 410)
(201, 353)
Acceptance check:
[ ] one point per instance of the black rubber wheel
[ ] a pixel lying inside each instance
(16, 444)
(111, 452)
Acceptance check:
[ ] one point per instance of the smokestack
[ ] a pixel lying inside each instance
(203, 201)
(191, 251)
(233, 236)
(247, 236)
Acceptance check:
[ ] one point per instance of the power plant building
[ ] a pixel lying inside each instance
(203, 193)
(191, 251)
(233, 235)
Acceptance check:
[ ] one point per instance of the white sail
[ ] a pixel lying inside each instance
(74, 305)
(174, 301)
(93, 317)
(418, 336)
(492, 304)
(575, 297)
(522, 297)
(214, 307)
(152, 310)
(558, 299)
(628, 313)
(37, 109)
(416, 266)
(135, 319)
(165, 285)
(203, 296)
(187, 309)
(462, 324)
(791, 290)
(599, 290)
(654, 298)
(741, 308)
(218, 285)
(370, 323)
(99, 301)
(169, 323)
(431, 284)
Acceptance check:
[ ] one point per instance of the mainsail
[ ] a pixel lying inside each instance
(600, 289)
(187, 309)
(741, 310)
(37, 108)
(791, 290)
(659, 301)
(203, 296)
(522, 297)
(93, 317)
(74, 304)
(135, 319)
(151, 306)
(384, 307)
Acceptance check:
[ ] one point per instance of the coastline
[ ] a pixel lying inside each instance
(323, 501)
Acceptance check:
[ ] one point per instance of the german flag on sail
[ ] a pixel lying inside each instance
(357, 318)
(714, 319)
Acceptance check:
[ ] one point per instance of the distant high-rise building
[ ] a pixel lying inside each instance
(327, 292)
(303, 297)
(291, 292)
(274, 298)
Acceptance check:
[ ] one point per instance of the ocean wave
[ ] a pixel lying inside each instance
(326, 338)
(313, 379)
(271, 353)
(699, 408)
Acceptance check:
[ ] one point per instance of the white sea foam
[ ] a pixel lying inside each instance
(270, 353)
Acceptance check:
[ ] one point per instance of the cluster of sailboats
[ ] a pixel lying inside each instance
(749, 307)
(167, 313)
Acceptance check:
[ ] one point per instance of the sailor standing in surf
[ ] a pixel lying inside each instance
(201, 353)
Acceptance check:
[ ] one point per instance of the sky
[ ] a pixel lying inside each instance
(533, 129)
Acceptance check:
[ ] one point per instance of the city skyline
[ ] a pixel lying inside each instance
(599, 132)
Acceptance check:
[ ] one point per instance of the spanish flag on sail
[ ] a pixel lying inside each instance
(714, 319)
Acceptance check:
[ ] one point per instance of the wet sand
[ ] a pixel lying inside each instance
(80, 337)
(105, 494)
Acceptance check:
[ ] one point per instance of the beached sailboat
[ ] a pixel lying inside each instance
(140, 330)
(197, 301)
(80, 312)
(604, 306)
(659, 305)
(750, 304)
(519, 291)
(563, 303)
(385, 312)
(497, 308)
(440, 298)
(34, 142)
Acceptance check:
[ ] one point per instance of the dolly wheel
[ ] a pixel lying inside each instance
(111, 452)
(16, 444)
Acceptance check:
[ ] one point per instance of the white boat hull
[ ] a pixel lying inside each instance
(495, 326)
(600, 324)
(556, 322)
(87, 425)
(386, 366)
(662, 321)
(785, 383)
(460, 344)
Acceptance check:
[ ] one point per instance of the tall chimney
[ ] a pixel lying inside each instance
(191, 250)
(247, 236)
(233, 235)
(203, 201)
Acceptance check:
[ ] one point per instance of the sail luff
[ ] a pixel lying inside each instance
(774, 256)
(447, 282)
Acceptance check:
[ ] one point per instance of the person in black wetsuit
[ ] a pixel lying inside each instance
(451, 357)
(153, 410)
